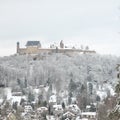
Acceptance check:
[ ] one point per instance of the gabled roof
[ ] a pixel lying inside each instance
(33, 43)
(68, 113)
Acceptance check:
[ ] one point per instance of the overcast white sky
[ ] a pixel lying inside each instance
(95, 23)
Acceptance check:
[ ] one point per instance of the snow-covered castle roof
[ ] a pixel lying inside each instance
(33, 43)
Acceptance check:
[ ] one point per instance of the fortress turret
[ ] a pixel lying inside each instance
(18, 47)
(61, 44)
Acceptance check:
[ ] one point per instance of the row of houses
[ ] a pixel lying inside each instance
(71, 112)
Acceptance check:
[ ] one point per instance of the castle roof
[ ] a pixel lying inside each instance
(33, 43)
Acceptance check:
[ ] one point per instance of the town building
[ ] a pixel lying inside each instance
(89, 115)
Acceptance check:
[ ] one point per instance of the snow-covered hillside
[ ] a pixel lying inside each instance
(57, 70)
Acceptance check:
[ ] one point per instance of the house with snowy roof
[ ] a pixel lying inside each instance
(89, 115)
(42, 109)
(28, 109)
(74, 109)
(57, 109)
(69, 115)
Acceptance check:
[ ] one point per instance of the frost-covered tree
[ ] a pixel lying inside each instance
(115, 113)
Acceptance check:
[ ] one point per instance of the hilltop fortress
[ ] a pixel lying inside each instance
(34, 47)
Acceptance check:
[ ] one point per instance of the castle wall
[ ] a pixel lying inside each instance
(36, 50)
(22, 51)
(32, 50)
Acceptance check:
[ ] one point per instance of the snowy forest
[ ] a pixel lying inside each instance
(79, 79)
(58, 69)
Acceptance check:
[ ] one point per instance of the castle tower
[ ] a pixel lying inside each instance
(18, 47)
(61, 44)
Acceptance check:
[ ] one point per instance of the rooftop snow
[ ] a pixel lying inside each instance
(33, 43)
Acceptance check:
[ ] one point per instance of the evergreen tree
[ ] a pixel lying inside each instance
(90, 88)
(63, 105)
(15, 105)
(31, 97)
(70, 98)
(82, 88)
(49, 109)
(22, 101)
(98, 98)
(18, 81)
(45, 103)
(25, 83)
(72, 86)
